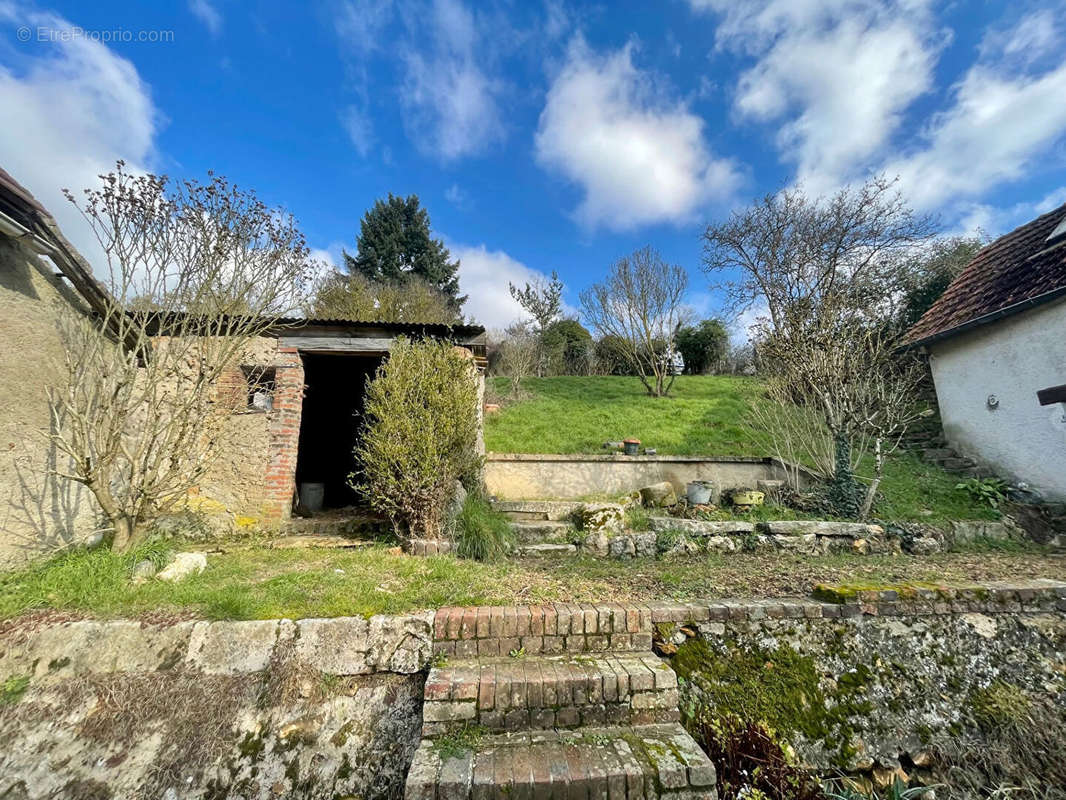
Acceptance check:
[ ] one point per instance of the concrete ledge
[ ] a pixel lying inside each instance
(524, 476)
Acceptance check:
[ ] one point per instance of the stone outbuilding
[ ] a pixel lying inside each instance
(295, 399)
(302, 396)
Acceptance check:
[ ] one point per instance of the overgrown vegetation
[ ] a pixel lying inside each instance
(985, 490)
(248, 582)
(780, 690)
(481, 532)
(1016, 748)
(420, 435)
(750, 764)
(704, 415)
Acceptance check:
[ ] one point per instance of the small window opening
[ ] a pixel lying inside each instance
(261, 386)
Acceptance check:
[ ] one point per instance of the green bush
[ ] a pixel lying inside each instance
(481, 532)
(419, 435)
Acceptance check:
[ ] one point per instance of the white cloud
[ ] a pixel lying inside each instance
(640, 157)
(839, 75)
(71, 109)
(1002, 120)
(994, 221)
(359, 128)
(450, 102)
(457, 196)
(484, 275)
(207, 14)
(447, 93)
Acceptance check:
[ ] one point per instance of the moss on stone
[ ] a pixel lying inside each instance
(841, 593)
(12, 689)
(998, 705)
(779, 689)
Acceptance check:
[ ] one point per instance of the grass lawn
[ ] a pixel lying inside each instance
(259, 583)
(704, 415)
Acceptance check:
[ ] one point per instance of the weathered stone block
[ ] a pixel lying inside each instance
(227, 648)
(334, 646)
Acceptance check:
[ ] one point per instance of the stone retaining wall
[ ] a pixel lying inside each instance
(520, 476)
(324, 708)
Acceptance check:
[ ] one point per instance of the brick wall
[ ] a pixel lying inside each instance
(280, 478)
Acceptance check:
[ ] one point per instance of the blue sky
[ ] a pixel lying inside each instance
(545, 135)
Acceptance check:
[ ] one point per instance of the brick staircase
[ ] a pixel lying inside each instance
(566, 701)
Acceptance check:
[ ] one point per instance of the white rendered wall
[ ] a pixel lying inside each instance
(1011, 359)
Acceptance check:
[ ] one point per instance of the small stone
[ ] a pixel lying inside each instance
(925, 546)
(658, 495)
(720, 544)
(621, 547)
(860, 547)
(183, 565)
(142, 572)
(645, 545)
(602, 517)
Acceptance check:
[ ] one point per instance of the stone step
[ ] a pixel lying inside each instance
(937, 453)
(541, 530)
(547, 549)
(540, 693)
(523, 510)
(638, 763)
(957, 464)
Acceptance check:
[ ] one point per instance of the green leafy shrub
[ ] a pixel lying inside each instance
(419, 435)
(985, 490)
(481, 532)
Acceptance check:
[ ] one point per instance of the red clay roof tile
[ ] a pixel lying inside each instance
(1016, 271)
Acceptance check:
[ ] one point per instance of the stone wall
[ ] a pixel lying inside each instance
(38, 512)
(516, 476)
(861, 680)
(319, 708)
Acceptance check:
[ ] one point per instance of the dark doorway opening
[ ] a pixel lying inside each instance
(334, 393)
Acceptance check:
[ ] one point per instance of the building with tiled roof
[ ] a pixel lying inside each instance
(996, 341)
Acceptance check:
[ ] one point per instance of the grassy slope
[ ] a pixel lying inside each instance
(257, 583)
(704, 415)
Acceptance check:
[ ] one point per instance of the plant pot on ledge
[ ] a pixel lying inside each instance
(631, 447)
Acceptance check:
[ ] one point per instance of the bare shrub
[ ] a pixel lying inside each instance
(196, 272)
(520, 354)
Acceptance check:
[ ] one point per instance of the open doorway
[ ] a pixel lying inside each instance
(335, 390)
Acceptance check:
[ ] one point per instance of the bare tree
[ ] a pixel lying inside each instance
(788, 251)
(840, 392)
(519, 355)
(832, 273)
(640, 306)
(196, 271)
(543, 301)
